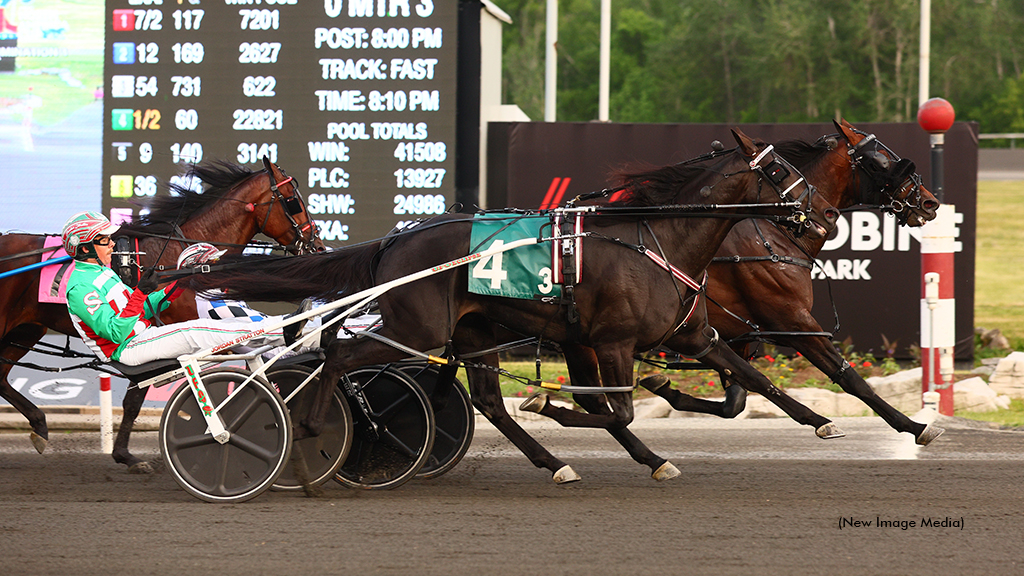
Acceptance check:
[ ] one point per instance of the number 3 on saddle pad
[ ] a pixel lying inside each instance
(524, 272)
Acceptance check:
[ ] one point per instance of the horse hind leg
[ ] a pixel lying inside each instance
(616, 369)
(734, 403)
(132, 404)
(661, 468)
(25, 335)
(473, 334)
(483, 385)
(582, 365)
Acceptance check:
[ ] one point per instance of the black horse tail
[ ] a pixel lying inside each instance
(324, 276)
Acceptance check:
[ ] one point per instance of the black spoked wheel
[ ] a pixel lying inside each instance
(254, 455)
(393, 436)
(454, 419)
(314, 460)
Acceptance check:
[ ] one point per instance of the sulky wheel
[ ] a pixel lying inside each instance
(454, 419)
(254, 455)
(394, 429)
(315, 459)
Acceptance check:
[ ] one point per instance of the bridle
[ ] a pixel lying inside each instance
(306, 234)
(775, 173)
(893, 183)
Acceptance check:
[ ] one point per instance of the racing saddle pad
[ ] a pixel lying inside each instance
(523, 272)
(53, 280)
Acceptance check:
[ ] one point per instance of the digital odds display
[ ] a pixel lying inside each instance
(355, 99)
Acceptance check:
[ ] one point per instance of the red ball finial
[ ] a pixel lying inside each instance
(936, 115)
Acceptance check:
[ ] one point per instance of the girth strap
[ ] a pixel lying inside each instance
(773, 258)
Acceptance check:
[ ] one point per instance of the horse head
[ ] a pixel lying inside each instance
(886, 180)
(284, 216)
(814, 216)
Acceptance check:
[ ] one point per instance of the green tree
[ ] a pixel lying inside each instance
(771, 60)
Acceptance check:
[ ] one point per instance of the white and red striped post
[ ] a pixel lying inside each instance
(106, 416)
(938, 244)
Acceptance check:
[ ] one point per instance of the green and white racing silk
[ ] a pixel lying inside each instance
(108, 314)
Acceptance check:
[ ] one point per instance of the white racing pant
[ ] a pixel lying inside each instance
(221, 308)
(174, 340)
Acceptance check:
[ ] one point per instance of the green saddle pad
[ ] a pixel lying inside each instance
(523, 272)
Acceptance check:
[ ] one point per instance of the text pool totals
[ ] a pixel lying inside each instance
(355, 99)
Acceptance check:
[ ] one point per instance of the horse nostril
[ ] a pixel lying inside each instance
(832, 215)
(930, 205)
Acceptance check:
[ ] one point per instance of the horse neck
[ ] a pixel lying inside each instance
(227, 220)
(690, 242)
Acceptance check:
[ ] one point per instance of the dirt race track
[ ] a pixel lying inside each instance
(755, 497)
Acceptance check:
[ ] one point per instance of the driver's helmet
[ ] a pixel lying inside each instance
(81, 229)
(199, 253)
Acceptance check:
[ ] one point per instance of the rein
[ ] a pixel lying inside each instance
(35, 252)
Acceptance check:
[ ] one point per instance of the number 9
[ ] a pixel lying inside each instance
(145, 152)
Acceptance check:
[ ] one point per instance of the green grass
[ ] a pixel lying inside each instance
(1010, 418)
(999, 269)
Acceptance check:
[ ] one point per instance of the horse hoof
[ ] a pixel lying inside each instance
(38, 442)
(565, 475)
(535, 403)
(928, 434)
(665, 472)
(654, 382)
(141, 468)
(829, 431)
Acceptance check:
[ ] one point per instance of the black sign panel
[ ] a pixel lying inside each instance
(870, 269)
(353, 98)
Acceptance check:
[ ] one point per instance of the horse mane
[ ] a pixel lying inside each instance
(218, 176)
(801, 153)
(658, 186)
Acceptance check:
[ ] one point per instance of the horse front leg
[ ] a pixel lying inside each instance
(132, 404)
(583, 369)
(25, 335)
(738, 371)
(820, 352)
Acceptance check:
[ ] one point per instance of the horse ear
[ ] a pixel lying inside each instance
(847, 130)
(746, 143)
(266, 163)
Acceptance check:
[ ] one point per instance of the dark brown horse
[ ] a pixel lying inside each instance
(769, 285)
(236, 205)
(626, 304)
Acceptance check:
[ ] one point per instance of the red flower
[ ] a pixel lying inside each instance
(561, 379)
(866, 364)
(769, 358)
(661, 354)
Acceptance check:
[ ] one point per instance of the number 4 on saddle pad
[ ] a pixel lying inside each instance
(523, 272)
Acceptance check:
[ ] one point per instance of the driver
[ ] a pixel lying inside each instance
(116, 322)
